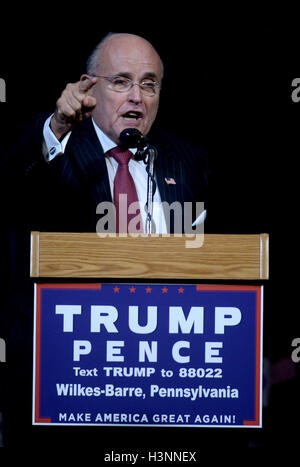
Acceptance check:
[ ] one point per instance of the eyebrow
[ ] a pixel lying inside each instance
(127, 74)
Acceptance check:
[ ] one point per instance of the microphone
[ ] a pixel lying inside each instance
(132, 138)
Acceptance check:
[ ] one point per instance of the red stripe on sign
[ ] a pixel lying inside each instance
(257, 420)
(37, 417)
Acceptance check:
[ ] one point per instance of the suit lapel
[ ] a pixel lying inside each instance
(170, 182)
(88, 157)
(169, 177)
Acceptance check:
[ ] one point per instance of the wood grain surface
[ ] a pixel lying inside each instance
(85, 255)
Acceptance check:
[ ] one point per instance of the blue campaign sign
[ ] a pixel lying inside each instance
(148, 354)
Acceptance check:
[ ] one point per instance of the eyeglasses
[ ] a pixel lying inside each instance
(123, 84)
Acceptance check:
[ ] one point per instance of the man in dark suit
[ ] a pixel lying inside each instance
(64, 163)
(63, 168)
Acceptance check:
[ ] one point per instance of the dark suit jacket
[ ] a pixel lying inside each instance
(63, 194)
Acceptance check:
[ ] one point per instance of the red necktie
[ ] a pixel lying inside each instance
(125, 194)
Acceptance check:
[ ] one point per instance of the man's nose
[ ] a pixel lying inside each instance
(135, 94)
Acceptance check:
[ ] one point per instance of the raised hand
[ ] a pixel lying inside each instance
(74, 105)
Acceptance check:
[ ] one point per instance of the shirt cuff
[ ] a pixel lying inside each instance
(52, 146)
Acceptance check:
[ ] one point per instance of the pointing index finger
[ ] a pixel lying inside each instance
(87, 83)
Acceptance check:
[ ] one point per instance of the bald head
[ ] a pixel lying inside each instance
(114, 42)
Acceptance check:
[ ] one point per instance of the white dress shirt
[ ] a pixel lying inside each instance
(53, 147)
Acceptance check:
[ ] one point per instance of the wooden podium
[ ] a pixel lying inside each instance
(85, 255)
(160, 346)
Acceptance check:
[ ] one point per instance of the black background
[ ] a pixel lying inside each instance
(230, 90)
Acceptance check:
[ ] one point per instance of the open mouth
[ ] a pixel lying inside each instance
(132, 116)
